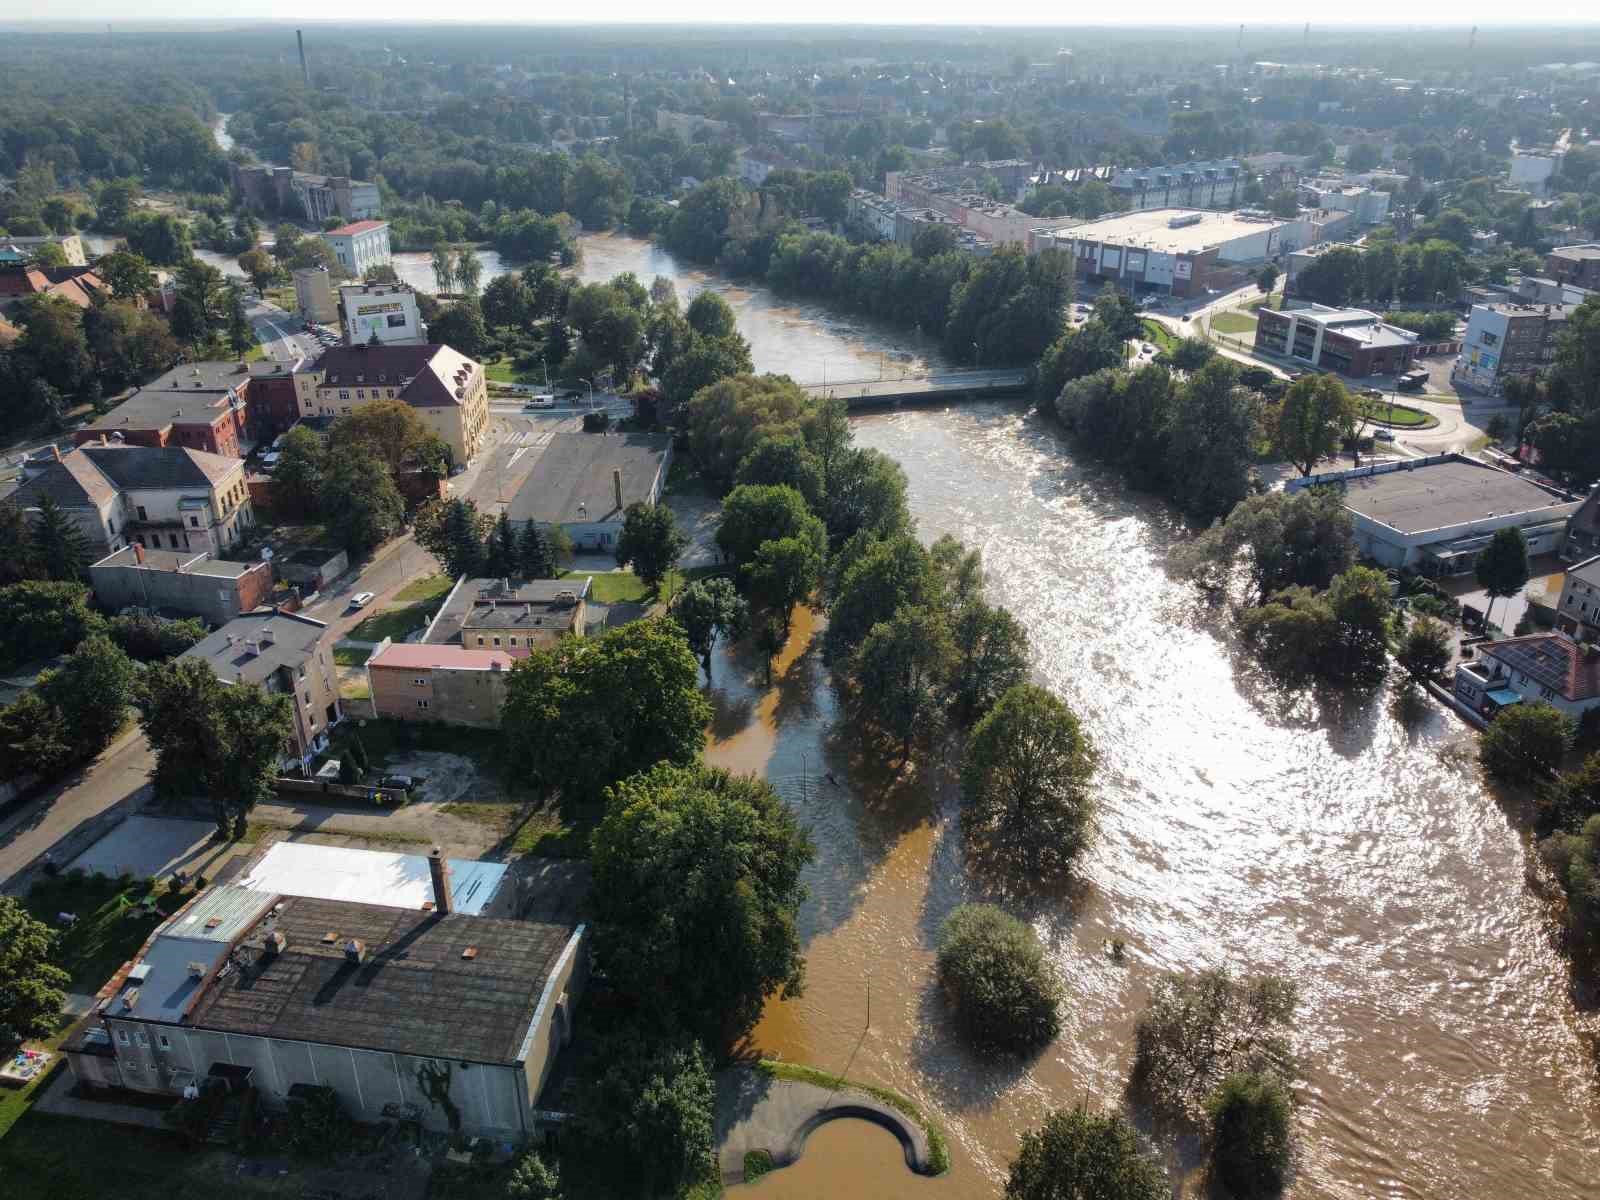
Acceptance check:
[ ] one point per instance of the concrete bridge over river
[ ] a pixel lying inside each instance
(939, 387)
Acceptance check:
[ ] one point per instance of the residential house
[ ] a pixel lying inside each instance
(1548, 667)
(516, 616)
(443, 684)
(1578, 610)
(287, 654)
(168, 498)
(79, 285)
(1583, 530)
(448, 390)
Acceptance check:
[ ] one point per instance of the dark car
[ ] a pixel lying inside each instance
(402, 783)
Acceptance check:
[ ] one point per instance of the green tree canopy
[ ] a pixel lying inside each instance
(1026, 781)
(1526, 742)
(696, 888)
(364, 508)
(1315, 416)
(996, 980)
(1199, 1029)
(1080, 1155)
(32, 988)
(650, 541)
(1502, 568)
(589, 711)
(1280, 538)
(708, 609)
(900, 671)
(1252, 1135)
(872, 588)
(757, 513)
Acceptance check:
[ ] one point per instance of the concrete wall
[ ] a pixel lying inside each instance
(212, 598)
(492, 1098)
(456, 697)
(551, 1027)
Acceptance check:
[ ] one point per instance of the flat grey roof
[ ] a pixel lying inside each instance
(571, 483)
(1440, 495)
(470, 599)
(188, 562)
(1149, 230)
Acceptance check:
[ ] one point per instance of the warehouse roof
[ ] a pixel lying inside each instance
(371, 876)
(450, 987)
(572, 482)
(1152, 229)
(1440, 495)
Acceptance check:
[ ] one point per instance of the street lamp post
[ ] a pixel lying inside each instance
(590, 382)
(977, 356)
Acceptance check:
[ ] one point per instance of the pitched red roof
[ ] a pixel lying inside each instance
(356, 227)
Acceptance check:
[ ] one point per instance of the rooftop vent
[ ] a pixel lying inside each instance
(355, 951)
(274, 944)
(130, 1000)
(330, 937)
(197, 969)
(213, 922)
(470, 952)
(139, 972)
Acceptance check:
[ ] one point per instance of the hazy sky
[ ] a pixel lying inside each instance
(920, 12)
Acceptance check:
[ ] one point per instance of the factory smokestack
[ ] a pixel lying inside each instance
(305, 72)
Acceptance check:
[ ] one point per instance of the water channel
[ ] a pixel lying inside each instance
(1352, 850)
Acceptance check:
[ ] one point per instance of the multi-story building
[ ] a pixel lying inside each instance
(286, 654)
(14, 251)
(220, 407)
(1578, 611)
(1178, 251)
(871, 216)
(387, 311)
(1532, 171)
(313, 296)
(1508, 339)
(1218, 184)
(1579, 265)
(1369, 207)
(1351, 341)
(935, 191)
(584, 483)
(360, 246)
(687, 125)
(317, 198)
(189, 582)
(447, 389)
(158, 497)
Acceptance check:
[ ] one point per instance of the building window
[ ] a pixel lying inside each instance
(418, 681)
(344, 393)
(1487, 338)
(360, 394)
(165, 1044)
(513, 641)
(122, 1036)
(142, 515)
(194, 522)
(422, 704)
(497, 641)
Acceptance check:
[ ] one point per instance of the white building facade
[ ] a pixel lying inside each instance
(360, 246)
(385, 310)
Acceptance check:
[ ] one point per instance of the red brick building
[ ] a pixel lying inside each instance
(222, 408)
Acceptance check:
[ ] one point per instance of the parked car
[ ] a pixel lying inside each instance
(402, 783)
(1383, 435)
(361, 599)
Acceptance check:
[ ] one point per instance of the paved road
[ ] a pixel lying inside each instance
(115, 778)
(281, 337)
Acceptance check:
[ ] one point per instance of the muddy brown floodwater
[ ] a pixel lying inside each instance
(1355, 852)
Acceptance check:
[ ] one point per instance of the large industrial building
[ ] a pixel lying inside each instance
(1437, 514)
(371, 975)
(1173, 250)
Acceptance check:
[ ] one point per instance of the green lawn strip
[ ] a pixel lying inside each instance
(1157, 333)
(14, 1104)
(1401, 416)
(351, 656)
(612, 587)
(395, 623)
(505, 372)
(552, 833)
(938, 1148)
(1233, 322)
(431, 587)
(111, 925)
(756, 1164)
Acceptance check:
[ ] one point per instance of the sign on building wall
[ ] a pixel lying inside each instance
(1182, 269)
(1135, 261)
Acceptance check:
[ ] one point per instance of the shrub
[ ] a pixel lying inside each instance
(995, 977)
(1085, 1156)
(1251, 1118)
(531, 1178)
(596, 422)
(1525, 742)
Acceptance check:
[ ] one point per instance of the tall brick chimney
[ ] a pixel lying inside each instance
(439, 872)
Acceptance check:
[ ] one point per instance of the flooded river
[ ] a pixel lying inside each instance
(1345, 848)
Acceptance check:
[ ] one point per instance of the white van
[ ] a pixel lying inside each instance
(542, 400)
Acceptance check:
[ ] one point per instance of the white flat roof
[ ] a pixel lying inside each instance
(370, 877)
(1149, 230)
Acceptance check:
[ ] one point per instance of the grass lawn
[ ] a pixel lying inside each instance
(432, 587)
(111, 925)
(1158, 334)
(14, 1104)
(351, 656)
(504, 372)
(1233, 322)
(553, 833)
(1402, 416)
(613, 587)
(1274, 301)
(395, 623)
